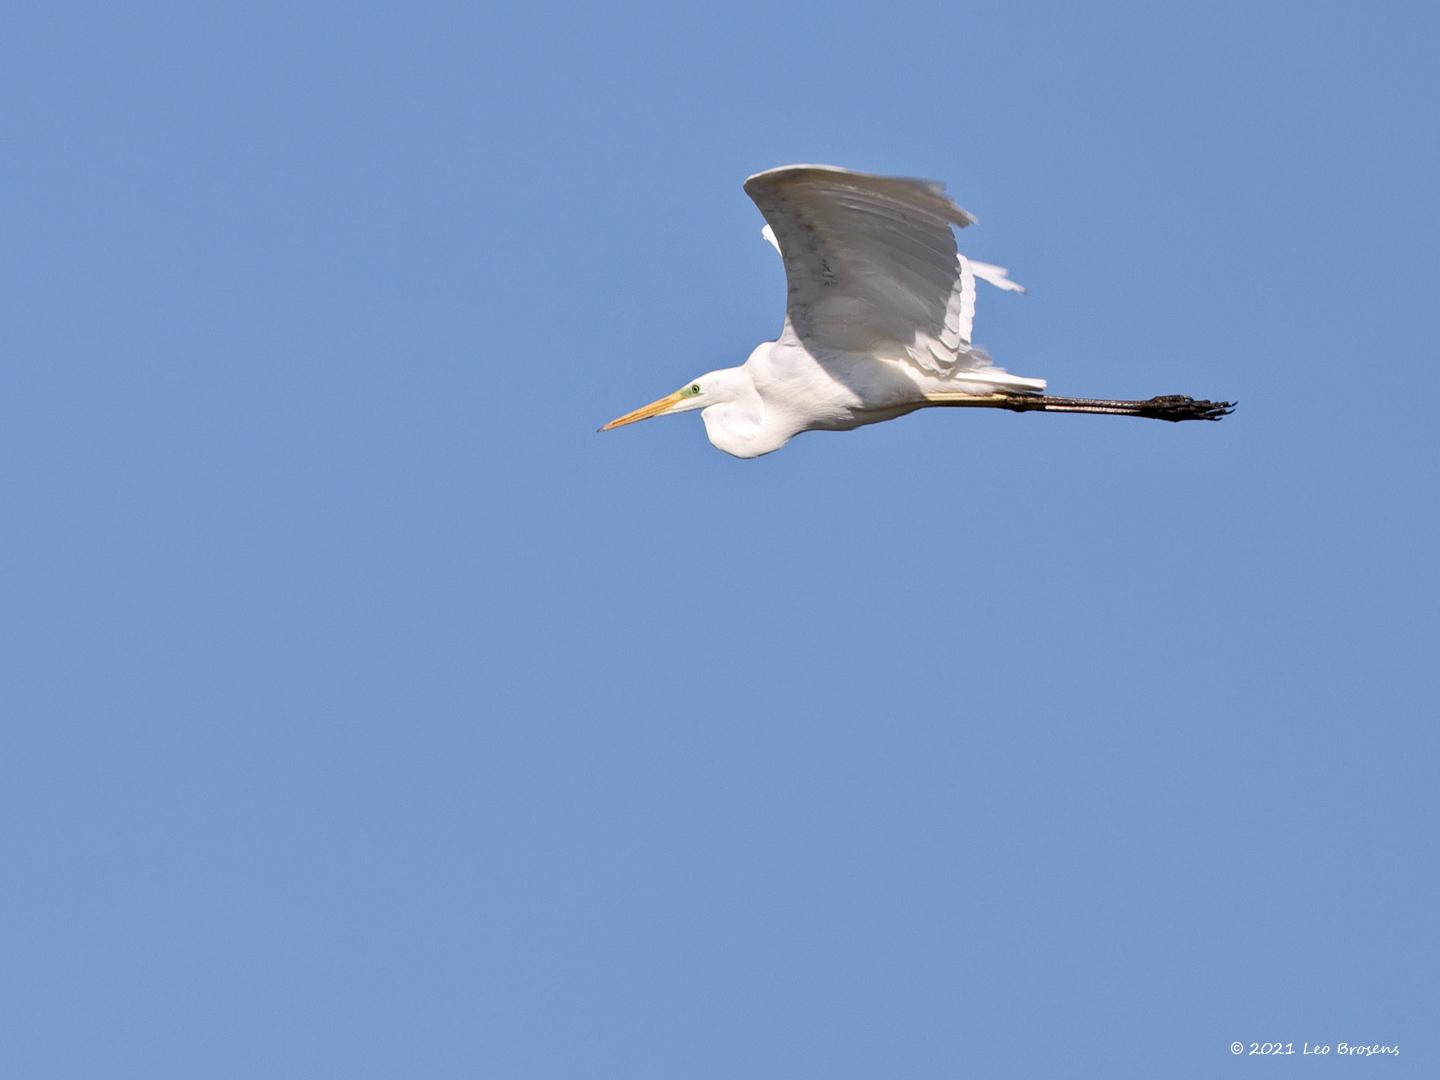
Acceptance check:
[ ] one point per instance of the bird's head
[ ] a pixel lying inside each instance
(703, 392)
(731, 408)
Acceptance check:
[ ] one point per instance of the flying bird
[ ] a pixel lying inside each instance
(877, 323)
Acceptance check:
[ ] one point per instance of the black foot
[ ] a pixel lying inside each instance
(1179, 407)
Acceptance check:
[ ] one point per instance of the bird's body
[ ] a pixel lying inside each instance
(878, 322)
(784, 389)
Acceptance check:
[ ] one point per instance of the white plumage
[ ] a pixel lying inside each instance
(878, 322)
(970, 270)
(872, 268)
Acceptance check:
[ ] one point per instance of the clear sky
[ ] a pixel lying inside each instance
(366, 714)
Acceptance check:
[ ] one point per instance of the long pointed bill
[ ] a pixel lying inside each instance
(655, 408)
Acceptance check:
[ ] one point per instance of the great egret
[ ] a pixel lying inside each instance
(877, 324)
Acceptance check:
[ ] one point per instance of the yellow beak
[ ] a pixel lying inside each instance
(655, 408)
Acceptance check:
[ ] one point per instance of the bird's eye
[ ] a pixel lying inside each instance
(694, 388)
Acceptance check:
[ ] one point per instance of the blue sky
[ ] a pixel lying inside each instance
(368, 715)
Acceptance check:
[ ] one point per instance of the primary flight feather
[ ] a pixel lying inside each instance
(877, 323)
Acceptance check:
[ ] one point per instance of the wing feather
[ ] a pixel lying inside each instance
(871, 265)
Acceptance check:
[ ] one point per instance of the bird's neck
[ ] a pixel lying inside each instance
(739, 424)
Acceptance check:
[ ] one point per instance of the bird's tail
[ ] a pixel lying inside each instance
(974, 364)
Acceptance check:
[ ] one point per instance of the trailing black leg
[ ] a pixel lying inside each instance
(1174, 407)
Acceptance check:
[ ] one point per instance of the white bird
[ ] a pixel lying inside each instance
(877, 324)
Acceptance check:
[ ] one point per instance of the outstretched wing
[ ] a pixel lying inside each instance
(962, 299)
(871, 265)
